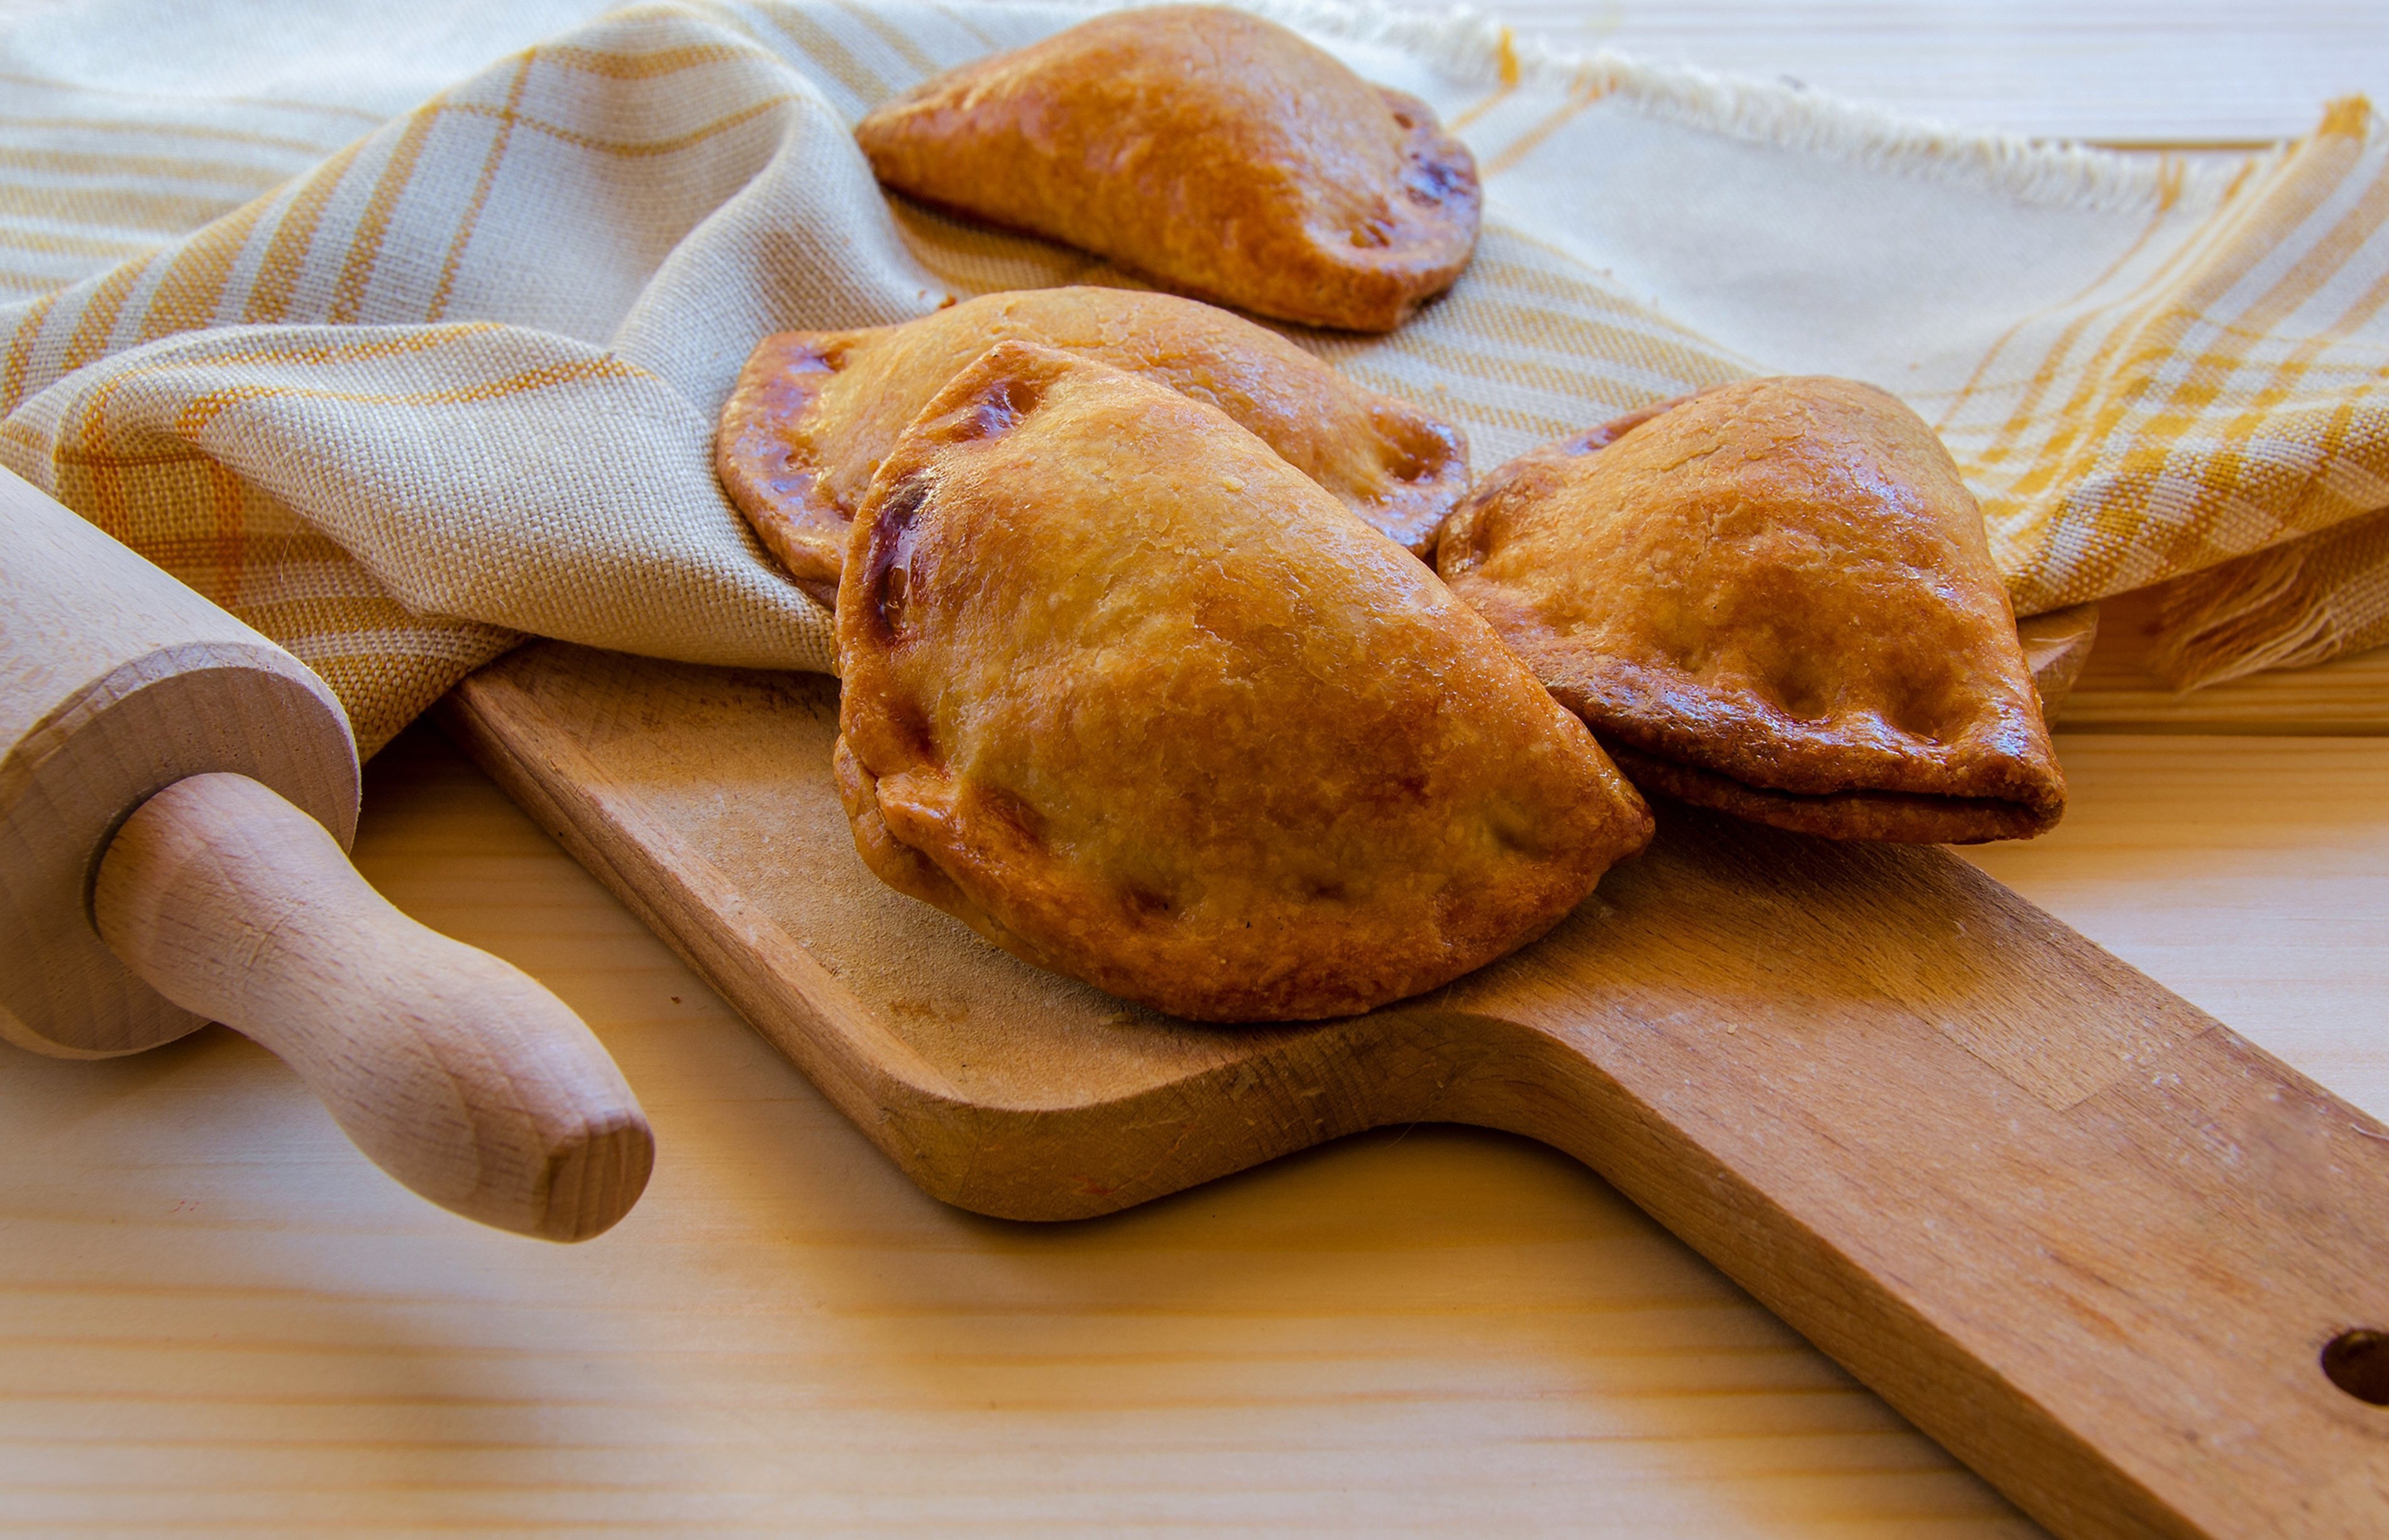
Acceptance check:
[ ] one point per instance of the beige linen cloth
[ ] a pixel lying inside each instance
(411, 354)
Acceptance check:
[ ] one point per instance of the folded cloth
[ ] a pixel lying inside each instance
(454, 382)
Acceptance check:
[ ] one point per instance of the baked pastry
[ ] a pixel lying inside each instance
(1775, 598)
(1142, 705)
(815, 412)
(1211, 150)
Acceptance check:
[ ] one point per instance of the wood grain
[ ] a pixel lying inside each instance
(115, 682)
(2118, 692)
(175, 791)
(2057, 646)
(1975, 1159)
(454, 1071)
(219, 1318)
(2249, 873)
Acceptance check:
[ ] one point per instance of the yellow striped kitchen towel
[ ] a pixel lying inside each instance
(401, 354)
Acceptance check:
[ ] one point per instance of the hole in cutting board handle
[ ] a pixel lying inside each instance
(2357, 1362)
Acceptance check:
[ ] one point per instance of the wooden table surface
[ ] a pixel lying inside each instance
(217, 1316)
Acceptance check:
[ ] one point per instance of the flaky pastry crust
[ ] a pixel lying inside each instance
(1144, 706)
(815, 412)
(1213, 151)
(1775, 598)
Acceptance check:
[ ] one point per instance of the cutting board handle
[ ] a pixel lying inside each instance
(2119, 1260)
(452, 1070)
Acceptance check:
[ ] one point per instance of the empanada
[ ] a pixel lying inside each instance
(1211, 150)
(815, 412)
(1773, 598)
(1144, 706)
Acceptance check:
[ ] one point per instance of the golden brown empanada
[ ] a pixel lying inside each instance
(1773, 598)
(815, 412)
(1209, 149)
(1144, 706)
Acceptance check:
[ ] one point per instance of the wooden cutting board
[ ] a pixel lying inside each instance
(2084, 1235)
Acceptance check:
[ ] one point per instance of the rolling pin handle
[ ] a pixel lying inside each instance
(452, 1070)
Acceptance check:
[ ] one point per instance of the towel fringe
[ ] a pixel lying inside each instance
(2257, 613)
(1476, 49)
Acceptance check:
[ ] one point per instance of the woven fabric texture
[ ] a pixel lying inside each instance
(399, 385)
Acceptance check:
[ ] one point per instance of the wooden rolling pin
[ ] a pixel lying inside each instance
(176, 798)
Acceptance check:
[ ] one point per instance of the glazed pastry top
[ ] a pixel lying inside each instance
(1163, 715)
(1783, 581)
(1216, 152)
(815, 412)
